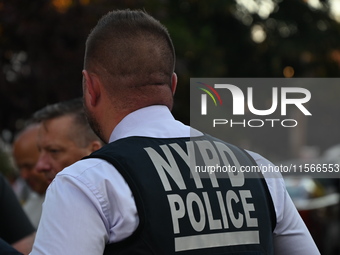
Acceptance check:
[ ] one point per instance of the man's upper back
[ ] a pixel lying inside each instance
(188, 210)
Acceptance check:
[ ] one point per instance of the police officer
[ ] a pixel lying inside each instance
(140, 194)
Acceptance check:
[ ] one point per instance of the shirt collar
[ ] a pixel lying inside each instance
(152, 121)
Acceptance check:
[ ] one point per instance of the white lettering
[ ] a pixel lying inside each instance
(219, 122)
(176, 214)
(272, 120)
(171, 168)
(243, 123)
(190, 159)
(237, 222)
(256, 120)
(262, 112)
(239, 100)
(204, 104)
(236, 177)
(207, 148)
(223, 210)
(200, 224)
(248, 207)
(297, 101)
(213, 223)
(292, 120)
(238, 97)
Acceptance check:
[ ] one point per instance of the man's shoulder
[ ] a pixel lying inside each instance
(86, 167)
(258, 158)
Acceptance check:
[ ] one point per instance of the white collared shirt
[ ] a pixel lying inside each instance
(89, 204)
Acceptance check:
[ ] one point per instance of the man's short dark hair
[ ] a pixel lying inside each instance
(73, 107)
(131, 45)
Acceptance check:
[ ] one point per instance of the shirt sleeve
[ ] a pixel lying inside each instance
(14, 223)
(84, 211)
(291, 235)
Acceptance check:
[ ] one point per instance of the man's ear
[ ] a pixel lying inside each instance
(91, 87)
(173, 83)
(95, 145)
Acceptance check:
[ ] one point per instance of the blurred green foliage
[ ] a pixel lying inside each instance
(42, 46)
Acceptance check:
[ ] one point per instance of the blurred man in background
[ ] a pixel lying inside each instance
(64, 136)
(26, 154)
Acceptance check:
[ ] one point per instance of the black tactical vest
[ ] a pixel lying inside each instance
(192, 198)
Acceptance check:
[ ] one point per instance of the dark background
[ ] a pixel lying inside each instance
(42, 47)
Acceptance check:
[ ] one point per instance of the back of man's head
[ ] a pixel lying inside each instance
(134, 56)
